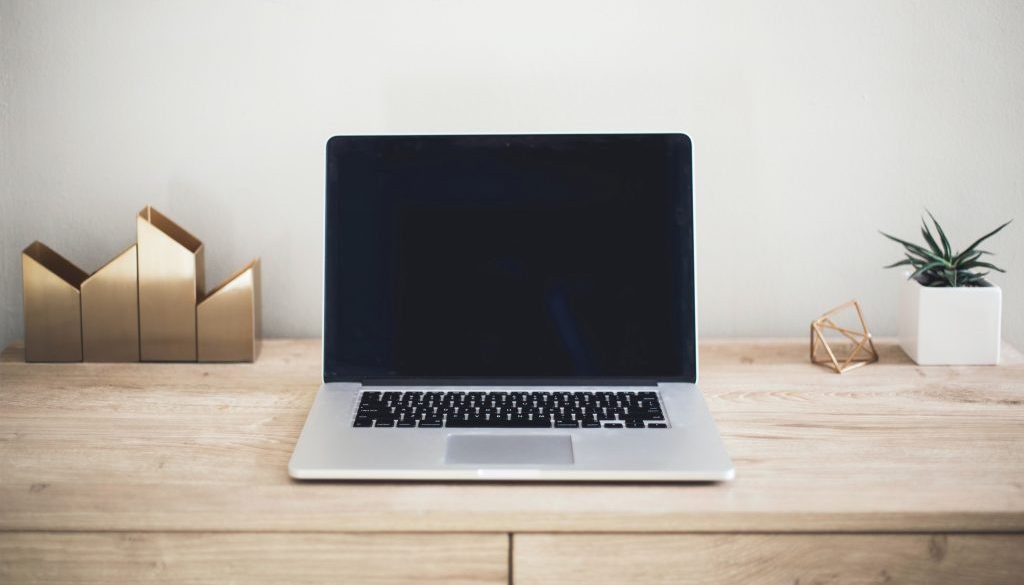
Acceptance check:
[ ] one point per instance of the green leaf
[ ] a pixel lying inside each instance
(906, 262)
(985, 237)
(915, 249)
(942, 235)
(961, 261)
(928, 237)
(950, 277)
(926, 267)
(972, 277)
(899, 241)
(928, 256)
(987, 265)
(960, 256)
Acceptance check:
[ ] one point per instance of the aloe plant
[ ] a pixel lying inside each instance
(936, 264)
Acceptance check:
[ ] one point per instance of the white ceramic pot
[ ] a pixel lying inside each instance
(950, 326)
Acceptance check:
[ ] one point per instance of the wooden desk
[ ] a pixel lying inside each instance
(890, 473)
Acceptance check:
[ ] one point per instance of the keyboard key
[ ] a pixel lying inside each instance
(613, 425)
(657, 426)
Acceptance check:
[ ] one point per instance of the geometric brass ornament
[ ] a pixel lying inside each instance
(52, 302)
(171, 276)
(851, 347)
(146, 304)
(110, 310)
(228, 319)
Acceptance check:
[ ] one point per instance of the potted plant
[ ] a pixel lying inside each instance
(949, 313)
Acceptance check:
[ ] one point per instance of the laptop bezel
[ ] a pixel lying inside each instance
(331, 377)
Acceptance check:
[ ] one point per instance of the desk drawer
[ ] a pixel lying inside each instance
(381, 559)
(776, 559)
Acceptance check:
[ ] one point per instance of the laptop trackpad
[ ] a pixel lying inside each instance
(509, 449)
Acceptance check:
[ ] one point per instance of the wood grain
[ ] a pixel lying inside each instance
(197, 558)
(163, 447)
(768, 559)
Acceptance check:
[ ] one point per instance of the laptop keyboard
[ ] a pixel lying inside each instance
(535, 410)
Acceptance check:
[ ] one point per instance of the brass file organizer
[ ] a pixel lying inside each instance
(228, 318)
(859, 349)
(53, 305)
(147, 304)
(110, 310)
(170, 285)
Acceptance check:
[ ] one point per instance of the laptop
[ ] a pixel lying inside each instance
(510, 307)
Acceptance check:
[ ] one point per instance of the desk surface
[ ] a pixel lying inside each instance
(891, 447)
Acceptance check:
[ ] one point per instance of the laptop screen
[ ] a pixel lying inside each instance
(509, 259)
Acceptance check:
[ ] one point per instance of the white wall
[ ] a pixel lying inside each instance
(814, 124)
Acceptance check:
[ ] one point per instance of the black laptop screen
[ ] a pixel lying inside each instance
(505, 259)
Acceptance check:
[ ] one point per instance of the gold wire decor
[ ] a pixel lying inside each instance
(850, 347)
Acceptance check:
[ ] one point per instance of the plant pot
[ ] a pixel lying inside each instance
(950, 326)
